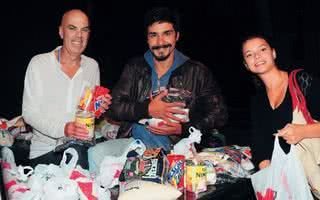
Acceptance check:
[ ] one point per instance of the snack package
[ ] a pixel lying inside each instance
(152, 166)
(176, 172)
(196, 175)
(90, 100)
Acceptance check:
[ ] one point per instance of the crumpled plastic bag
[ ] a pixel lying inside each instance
(60, 188)
(87, 188)
(238, 154)
(112, 148)
(14, 177)
(107, 129)
(9, 130)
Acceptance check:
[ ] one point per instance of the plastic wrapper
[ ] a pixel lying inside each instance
(211, 173)
(238, 154)
(196, 177)
(90, 100)
(107, 129)
(223, 178)
(11, 129)
(174, 95)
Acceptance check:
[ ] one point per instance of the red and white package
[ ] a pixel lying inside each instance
(91, 100)
(99, 91)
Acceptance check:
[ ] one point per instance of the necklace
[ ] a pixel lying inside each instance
(59, 55)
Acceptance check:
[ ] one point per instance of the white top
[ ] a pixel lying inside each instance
(50, 98)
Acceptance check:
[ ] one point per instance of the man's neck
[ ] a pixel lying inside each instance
(163, 66)
(69, 63)
(69, 59)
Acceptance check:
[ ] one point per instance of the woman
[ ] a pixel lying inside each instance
(272, 105)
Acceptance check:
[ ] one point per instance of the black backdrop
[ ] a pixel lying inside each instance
(210, 33)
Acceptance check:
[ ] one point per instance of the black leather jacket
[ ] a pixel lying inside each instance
(129, 104)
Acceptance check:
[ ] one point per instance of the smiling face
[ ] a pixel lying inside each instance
(74, 30)
(162, 40)
(258, 55)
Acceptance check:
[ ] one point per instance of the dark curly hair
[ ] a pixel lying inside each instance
(162, 14)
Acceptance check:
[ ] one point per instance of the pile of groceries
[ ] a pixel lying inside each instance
(124, 169)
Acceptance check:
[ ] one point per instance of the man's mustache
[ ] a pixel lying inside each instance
(161, 46)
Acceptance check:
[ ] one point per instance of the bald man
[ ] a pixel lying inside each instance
(53, 85)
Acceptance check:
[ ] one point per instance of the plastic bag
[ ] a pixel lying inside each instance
(283, 179)
(14, 177)
(186, 145)
(59, 188)
(145, 190)
(112, 148)
(10, 130)
(87, 189)
(43, 173)
(107, 129)
(111, 166)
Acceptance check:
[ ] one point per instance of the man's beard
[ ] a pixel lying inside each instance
(161, 57)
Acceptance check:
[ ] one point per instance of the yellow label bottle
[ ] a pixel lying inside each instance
(86, 118)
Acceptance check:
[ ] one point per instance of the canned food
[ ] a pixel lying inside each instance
(86, 118)
(176, 171)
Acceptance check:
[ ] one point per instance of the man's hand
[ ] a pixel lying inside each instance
(169, 128)
(160, 109)
(76, 130)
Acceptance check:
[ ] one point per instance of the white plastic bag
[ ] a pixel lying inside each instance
(9, 130)
(59, 188)
(283, 179)
(111, 166)
(68, 167)
(112, 148)
(14, 177)
(186, 145)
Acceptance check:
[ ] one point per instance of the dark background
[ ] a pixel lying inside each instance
(211, 32)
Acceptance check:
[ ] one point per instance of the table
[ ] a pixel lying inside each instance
(241, 189)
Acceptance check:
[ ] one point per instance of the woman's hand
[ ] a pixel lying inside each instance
(292, 133)
(263, 164)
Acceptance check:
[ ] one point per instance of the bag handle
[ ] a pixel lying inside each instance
(278, 151)
(298, 99)
(72, 163)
